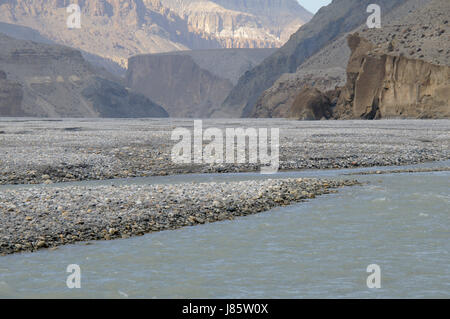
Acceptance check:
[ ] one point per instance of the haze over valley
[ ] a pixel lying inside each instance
(197, 149)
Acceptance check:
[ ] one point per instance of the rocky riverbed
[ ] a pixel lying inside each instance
(49, 151)
(46, 217)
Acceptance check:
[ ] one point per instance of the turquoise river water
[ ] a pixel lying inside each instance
(316, 249)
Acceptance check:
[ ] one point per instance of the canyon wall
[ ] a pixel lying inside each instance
(330, 22)
(178, 83)
(379, 85)
(414, 30)
(389, 86)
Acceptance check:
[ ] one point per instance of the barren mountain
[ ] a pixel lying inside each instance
(46, 80)
(29, 34)
(327, 69)
(328, 25)
(401, 70)
(383, 85)
(118, 29)
(422, 33)
(191, 83)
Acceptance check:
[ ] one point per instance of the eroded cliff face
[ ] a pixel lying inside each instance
(389, 86)
(118, 29)
(417, 29)
(328, 25)
(244, 23)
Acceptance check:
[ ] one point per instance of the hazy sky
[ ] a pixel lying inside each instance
(314, 5)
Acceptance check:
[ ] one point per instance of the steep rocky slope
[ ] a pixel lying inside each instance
(328, 66)
(277, 100)
(29, 34)
(243, 23)
(328, 25)
(118, 29)
(55, 81)
(382, 85)
(423, 33)
(324, 71)
(398, 71)
(191, 83)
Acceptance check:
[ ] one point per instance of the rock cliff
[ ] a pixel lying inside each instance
(381, 85)
(311, 104)
(330, 23)
(178, 83)
(276, 101)
(417, 29)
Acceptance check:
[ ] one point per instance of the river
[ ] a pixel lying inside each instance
(316, 249)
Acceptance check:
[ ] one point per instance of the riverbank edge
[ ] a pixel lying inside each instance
(273, 193)
(53, 175)
(401, 171)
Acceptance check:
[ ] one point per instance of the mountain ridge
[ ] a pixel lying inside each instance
(327, 68)
(330, 22)
(118, 29)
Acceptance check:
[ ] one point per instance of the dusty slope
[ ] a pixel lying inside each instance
(399, 71)
(423, 33)
(177, 83)
(29, 34)
(331, 22)
(55, 81)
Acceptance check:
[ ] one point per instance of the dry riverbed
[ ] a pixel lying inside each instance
(49, 151)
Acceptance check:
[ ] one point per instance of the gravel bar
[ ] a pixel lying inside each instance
(35, 151)
(35, 218)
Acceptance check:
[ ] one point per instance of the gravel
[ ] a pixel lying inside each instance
(49, 151)
(46, 217)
